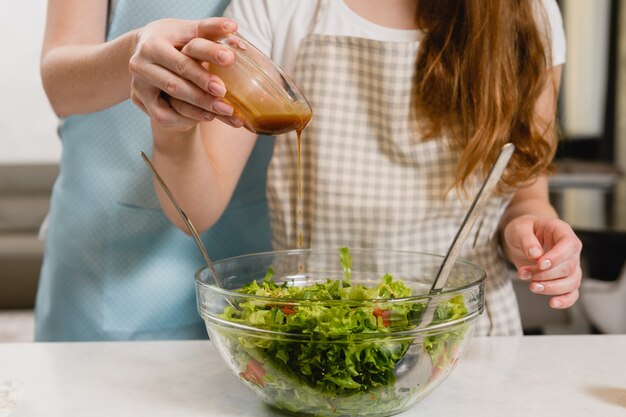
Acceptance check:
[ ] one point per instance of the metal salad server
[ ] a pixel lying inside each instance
(415, 367)
(192, 229)
(475, 210)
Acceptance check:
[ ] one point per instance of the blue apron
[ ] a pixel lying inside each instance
(115, 268)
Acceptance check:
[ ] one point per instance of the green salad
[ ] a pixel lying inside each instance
(348, 351)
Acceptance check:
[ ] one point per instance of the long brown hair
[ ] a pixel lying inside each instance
(481, 68)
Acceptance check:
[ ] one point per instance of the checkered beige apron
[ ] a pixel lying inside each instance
(368, 179)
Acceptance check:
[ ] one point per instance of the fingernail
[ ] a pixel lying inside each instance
(217, 89)
(536, 287)
(223, 108)
(556, 303)
(229, 26)
(236, 121)
(534, 252)
(545, 264)
(525, 275)
(223, 55)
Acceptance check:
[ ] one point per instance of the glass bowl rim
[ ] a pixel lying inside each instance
(284, 300)
(221, 324)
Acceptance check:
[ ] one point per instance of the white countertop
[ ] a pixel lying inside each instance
(537, 376)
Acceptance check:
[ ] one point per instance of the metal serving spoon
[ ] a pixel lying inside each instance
(415, 367)
(475, 210)
(192, 229)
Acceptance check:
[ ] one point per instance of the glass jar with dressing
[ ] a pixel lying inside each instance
(260, 92)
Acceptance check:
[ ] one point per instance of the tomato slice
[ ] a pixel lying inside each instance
(254, 373)
(383, 315)
(287, 309)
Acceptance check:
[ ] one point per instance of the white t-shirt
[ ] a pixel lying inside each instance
(277, 27)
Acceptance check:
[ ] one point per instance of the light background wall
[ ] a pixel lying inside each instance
(27, 124)
(585, 75)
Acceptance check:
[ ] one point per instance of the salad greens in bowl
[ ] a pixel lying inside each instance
(339, 333)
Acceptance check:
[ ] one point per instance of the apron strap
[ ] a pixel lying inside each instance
(322, 9)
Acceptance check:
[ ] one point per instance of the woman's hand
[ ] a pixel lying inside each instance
(546, 252)
(169, 82)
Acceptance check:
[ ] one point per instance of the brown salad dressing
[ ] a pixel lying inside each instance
(274, 124)
(270, 121)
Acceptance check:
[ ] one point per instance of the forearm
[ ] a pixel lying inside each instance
(85, 78)
(181, 160)
(537, 207)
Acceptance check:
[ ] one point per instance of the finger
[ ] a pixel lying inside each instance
(526, 272)
(162, 53)
(205, 50)
(521, 235)
(567, 245)
(569, 267)
(558, 286)
(215, 27)
(181, 89)
(234, 120)
(190, 72)
(201, 115)
(187, 63)
(137, 101)
(565, 300)
(146, 97)
(176, 32)
(190, 111)
(529, 244)
(163, 114)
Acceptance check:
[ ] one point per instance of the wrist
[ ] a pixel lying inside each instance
(132, 41)
(174, 142)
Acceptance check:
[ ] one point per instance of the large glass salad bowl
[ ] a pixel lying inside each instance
(339, 333)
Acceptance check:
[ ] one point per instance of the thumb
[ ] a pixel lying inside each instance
(215, 27)
(520, 234)
(529, 244)
(529, 249)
